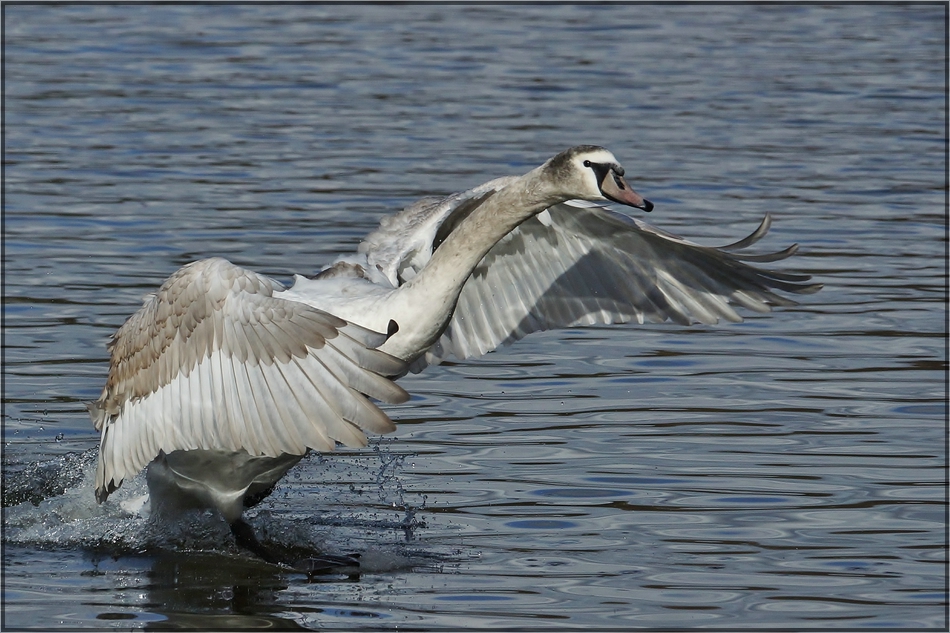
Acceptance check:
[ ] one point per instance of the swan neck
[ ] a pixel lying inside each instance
(456, 258)
(439, 284)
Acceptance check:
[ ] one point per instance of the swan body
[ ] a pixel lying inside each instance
(224, 379)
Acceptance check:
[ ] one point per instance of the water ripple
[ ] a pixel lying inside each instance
(788, 471)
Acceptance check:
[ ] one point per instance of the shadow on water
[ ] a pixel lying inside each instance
(201, 591)
(197, 590)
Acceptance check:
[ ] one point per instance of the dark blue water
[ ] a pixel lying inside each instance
(788, 471)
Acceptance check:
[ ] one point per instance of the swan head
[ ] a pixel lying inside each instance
(593, 173)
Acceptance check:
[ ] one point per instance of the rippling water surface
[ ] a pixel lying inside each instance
(788, 471)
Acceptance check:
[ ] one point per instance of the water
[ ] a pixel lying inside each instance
(788, 471)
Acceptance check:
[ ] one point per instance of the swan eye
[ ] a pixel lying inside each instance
(586, 163)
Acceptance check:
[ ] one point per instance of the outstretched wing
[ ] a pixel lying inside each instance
(214, 361)
(579, 263)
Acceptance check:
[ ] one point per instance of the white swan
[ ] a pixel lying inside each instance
(223, 379)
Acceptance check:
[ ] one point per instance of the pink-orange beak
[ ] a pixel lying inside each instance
(615, 188)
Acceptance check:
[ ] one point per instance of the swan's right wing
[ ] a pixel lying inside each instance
(579, 263)
(215, 361)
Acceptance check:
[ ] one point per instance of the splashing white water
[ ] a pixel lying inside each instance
(70, 515)
(51, 505)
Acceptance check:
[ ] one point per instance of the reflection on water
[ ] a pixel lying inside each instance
(785, 471)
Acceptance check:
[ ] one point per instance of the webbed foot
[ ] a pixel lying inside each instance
(320, 564)
(327, 563)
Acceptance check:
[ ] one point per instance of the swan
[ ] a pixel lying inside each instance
(224, 379)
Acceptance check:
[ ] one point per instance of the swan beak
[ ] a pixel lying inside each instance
(614, 187)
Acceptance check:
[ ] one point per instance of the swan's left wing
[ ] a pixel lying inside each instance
(215, 361)
(579, 263)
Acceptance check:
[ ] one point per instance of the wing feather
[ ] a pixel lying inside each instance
(214, 361)
(272, 409)
(580, 263)
(337, 397)
(254, 420)
(313, 435)
(270, 423)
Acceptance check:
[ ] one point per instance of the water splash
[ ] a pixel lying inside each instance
(50, 505)
(389, 487)
(37, 481)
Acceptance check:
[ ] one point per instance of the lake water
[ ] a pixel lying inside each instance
(789, 471)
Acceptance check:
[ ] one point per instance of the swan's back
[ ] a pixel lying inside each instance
(403, 243)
